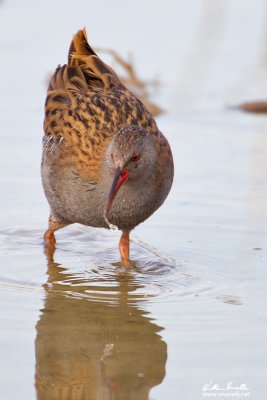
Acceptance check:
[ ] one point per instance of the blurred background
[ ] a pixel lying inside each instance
(199, 288)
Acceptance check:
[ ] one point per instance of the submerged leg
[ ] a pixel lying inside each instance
(53, 225)
(124, 245)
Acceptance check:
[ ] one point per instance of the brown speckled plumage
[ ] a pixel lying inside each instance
(88, 115)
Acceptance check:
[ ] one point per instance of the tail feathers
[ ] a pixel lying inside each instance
(68, 78)
(82, 55)
(79, 47)
(84, 71)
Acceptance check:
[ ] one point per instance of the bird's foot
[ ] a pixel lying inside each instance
(126, 264)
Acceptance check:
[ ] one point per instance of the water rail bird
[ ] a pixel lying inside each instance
(104, 163)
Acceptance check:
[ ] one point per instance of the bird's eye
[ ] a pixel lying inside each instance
(135, 157)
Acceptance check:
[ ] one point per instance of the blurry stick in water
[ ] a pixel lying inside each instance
(258, 107)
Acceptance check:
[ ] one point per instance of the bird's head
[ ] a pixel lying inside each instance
(131, 158)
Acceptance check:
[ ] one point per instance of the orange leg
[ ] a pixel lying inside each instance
(49, 238)
(53, 225)
(124, 246)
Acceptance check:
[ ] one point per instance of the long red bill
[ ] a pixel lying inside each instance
(119, 178)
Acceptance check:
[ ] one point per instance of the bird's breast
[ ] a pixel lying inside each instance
(78, 199)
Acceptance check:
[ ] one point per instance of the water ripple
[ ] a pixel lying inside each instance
(83, 266)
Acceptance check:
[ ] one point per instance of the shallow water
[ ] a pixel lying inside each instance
(75, 324)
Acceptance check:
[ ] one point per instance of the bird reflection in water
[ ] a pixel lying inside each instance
(94, 349)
